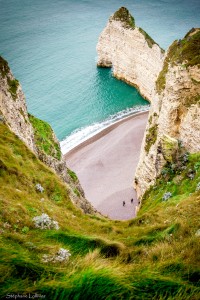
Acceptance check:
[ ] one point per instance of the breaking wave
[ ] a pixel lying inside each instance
(82, 134)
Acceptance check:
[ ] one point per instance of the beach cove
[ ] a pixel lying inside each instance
(105, 165)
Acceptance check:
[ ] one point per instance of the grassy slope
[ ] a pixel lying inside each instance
(154, 256)
(44, 138)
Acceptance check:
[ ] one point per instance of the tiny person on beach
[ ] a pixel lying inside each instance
(131, 200)
(124, 203)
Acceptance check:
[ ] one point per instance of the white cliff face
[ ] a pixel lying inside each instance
(13, 107)
(175, 114)
(127, 51)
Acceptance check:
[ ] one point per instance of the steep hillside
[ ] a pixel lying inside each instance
(173, 126)
(133, 55)
(36, 134)
(155, 256)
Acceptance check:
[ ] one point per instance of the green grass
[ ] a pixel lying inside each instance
(125, 17)
(154, 256)
(44, 138)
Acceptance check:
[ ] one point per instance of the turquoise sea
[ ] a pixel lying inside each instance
(51, 48)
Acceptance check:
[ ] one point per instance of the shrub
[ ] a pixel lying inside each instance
(45, 222)
(39, 188)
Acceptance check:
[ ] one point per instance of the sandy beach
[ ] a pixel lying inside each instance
(106, 163)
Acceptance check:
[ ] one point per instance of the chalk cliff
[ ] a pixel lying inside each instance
(174, 118)
(36, 134)
(170, 81)
(133, 55)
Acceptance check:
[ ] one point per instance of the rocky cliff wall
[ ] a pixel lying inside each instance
(13, 106)
(174, 118)
(170, 81)
(130, 51)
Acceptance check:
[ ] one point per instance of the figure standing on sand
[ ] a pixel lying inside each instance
(131, 200)
(124, 203)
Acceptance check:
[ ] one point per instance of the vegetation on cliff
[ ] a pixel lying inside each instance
(44, 138)
(4, 67)
(125, 17)
(151, 137)
(12, 83)
(183, 52)
(154, 256)
(149, 40)
(128, 21)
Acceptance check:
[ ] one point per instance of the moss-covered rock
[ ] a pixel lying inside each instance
(169, 147)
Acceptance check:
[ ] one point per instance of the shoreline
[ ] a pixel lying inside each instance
(102, 133)
(105, 165)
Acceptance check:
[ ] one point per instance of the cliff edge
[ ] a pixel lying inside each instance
(173, 128)
(133, 55)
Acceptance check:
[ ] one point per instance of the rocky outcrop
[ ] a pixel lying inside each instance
(131, 52)
(36, 134)
(13, 106)
(175, 111)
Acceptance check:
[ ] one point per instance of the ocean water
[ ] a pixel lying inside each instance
(51, 48)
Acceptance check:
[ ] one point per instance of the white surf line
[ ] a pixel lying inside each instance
(83, 134)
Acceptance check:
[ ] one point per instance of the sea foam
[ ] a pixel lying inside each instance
(82, 134)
